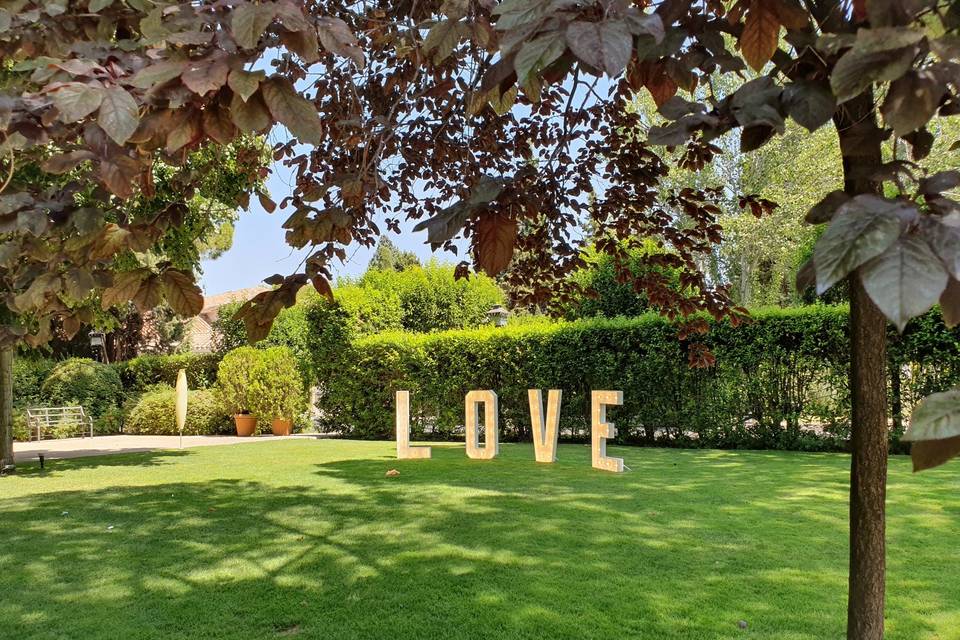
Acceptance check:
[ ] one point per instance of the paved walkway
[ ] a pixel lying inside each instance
(103, 445)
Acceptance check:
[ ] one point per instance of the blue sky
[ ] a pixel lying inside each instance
(259, 249)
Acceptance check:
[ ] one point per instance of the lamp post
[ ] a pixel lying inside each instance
(498, 316)
(98, 342)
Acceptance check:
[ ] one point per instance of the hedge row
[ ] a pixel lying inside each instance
(780, 380)
(142, 372)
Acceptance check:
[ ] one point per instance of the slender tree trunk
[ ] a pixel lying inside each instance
(860, 146)
(6, 407)
(896, 397)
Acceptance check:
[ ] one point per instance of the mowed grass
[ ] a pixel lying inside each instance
(309, 539)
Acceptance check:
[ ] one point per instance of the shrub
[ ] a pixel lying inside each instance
(277, 387)
(80, 381)
(430, 298)
(153, 413)
(291, 330)
(141, 372)
(228, 333)
(603, 294)
(21, 433)
(110, 422)
(28, 376)
(237, 380)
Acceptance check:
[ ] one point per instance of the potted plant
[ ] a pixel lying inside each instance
(238, 381)
(280, 393)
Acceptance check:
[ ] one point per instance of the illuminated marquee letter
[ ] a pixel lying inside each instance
(545, 434)
(603, 430)
(404, 450)
(491, 422)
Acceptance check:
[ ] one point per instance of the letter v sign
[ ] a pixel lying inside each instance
(545, 433)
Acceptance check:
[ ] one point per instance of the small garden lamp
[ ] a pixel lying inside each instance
(98, 343)
(498, 316)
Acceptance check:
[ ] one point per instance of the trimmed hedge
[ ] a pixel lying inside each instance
(153, 413)
(780, 380)
(80, 381)
(28, 376)
(142, 372)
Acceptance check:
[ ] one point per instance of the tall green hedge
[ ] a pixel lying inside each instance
(80, 381)
(776, 376)
(144, 371)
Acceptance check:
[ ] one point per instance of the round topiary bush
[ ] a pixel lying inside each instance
(237, 378)
(80, 381)
(278, 386)
(153, 413)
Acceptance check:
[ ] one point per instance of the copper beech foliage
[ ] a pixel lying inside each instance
(499, 122)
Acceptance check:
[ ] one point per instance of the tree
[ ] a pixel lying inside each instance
(387, 257)
(409, 111)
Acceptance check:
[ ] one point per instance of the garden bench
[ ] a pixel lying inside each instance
(41, 418)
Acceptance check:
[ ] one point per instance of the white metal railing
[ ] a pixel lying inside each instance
(40, 418)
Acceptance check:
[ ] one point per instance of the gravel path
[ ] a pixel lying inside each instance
(103, 445)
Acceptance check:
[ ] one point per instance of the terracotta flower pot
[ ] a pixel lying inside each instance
(281, 427)
(246, 424)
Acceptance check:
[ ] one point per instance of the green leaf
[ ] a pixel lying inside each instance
(605, 46)
(877, 55)
(518, 13)
(96, 6)
(245, 83)
(157, 74)
(824, 210)
(78, 283)
(250, 21)
(810, 104)
(76, 100)
(293, 110)
(151, 26)
(944, 239)
(862, 229)
(536, 54)
(912, 101)
(904, 281)
(446, 224)
(250, 115)
(118, 114)
(442, 38)
(937, 417)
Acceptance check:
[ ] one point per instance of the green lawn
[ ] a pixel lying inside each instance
(308, 539)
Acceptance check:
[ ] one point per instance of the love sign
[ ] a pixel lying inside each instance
(545, 426)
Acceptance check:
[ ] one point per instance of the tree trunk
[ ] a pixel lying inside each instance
(868, 474)
(6, 407)
(860, 146)
(896, 398)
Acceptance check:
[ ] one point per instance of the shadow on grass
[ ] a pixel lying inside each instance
(682, 547)
(94, 458)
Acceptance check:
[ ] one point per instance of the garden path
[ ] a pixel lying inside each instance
(103, 445)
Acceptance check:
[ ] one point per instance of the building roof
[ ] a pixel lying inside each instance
(214, 302)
